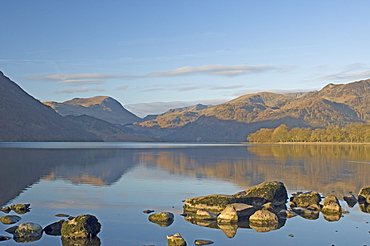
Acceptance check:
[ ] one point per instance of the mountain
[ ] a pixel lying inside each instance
(23, 118)
(100, 107)
(107, 131)
(234, 120)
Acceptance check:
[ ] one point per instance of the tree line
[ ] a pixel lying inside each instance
(354, 132)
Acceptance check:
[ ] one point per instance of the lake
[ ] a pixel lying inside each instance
(116, 182)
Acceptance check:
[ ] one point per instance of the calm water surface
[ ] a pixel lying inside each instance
(117, 181)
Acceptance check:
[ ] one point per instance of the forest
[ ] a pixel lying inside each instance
(354, 132)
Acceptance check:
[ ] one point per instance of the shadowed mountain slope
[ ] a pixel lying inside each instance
(23, 118)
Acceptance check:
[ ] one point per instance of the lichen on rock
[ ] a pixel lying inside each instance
(82, 226)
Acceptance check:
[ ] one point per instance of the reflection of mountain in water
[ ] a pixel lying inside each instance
(20, 168)
(323, 168)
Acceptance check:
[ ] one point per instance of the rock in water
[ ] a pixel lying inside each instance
(364, 195)
(212, 203)
(263, 218)
(83, 226)
(202, 214)
(202, 242)
(10, 219)
(54, 228)
(176, 240)
(233, 212)
(331, 205)
(27, 232)
(162, 219)
(308, 199)
(271, 191)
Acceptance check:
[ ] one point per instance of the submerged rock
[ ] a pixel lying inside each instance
(271, 191)
(234, 212)
(83, 226)
(176, 240)
(28, 232)
(20, 208)
(310, 214)
(10, 219)
(305, 200)
(202, 242)
(331, 205)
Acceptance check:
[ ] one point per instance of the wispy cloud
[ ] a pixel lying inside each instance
(227, 87)
(217, 70)
(189, 88)
(79, 90)
(96, 78)
(349, 72)
(122, 87)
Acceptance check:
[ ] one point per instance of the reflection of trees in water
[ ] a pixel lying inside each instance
(323, 168)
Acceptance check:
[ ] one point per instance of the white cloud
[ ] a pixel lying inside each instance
(349, 72)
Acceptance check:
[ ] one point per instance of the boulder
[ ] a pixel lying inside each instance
(27, 232)
(364, 195)
(10, 219)
(176, 240)
(271, 191)
(233, 212)
(307, 199)
(202, 214)
(212, 203)
(54, 229)
(263, 218)
(331, 205)
(350, 200)
(82, 226)
(20, 208)
(162, 219)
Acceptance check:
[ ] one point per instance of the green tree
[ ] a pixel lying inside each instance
(280, 134)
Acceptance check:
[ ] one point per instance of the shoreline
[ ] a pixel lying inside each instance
(314, 143)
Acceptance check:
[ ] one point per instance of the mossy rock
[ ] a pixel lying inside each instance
(305, 200)
(27, 232)
(212, 203)
(10, 219)
(271, 191)
(82, 226)
(176, 240)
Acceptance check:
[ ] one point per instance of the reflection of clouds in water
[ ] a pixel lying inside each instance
(362, 162)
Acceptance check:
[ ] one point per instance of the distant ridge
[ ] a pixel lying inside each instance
(23, 118)
(100, 107)
(333, 105)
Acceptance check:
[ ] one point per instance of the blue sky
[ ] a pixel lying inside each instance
(155, 55)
